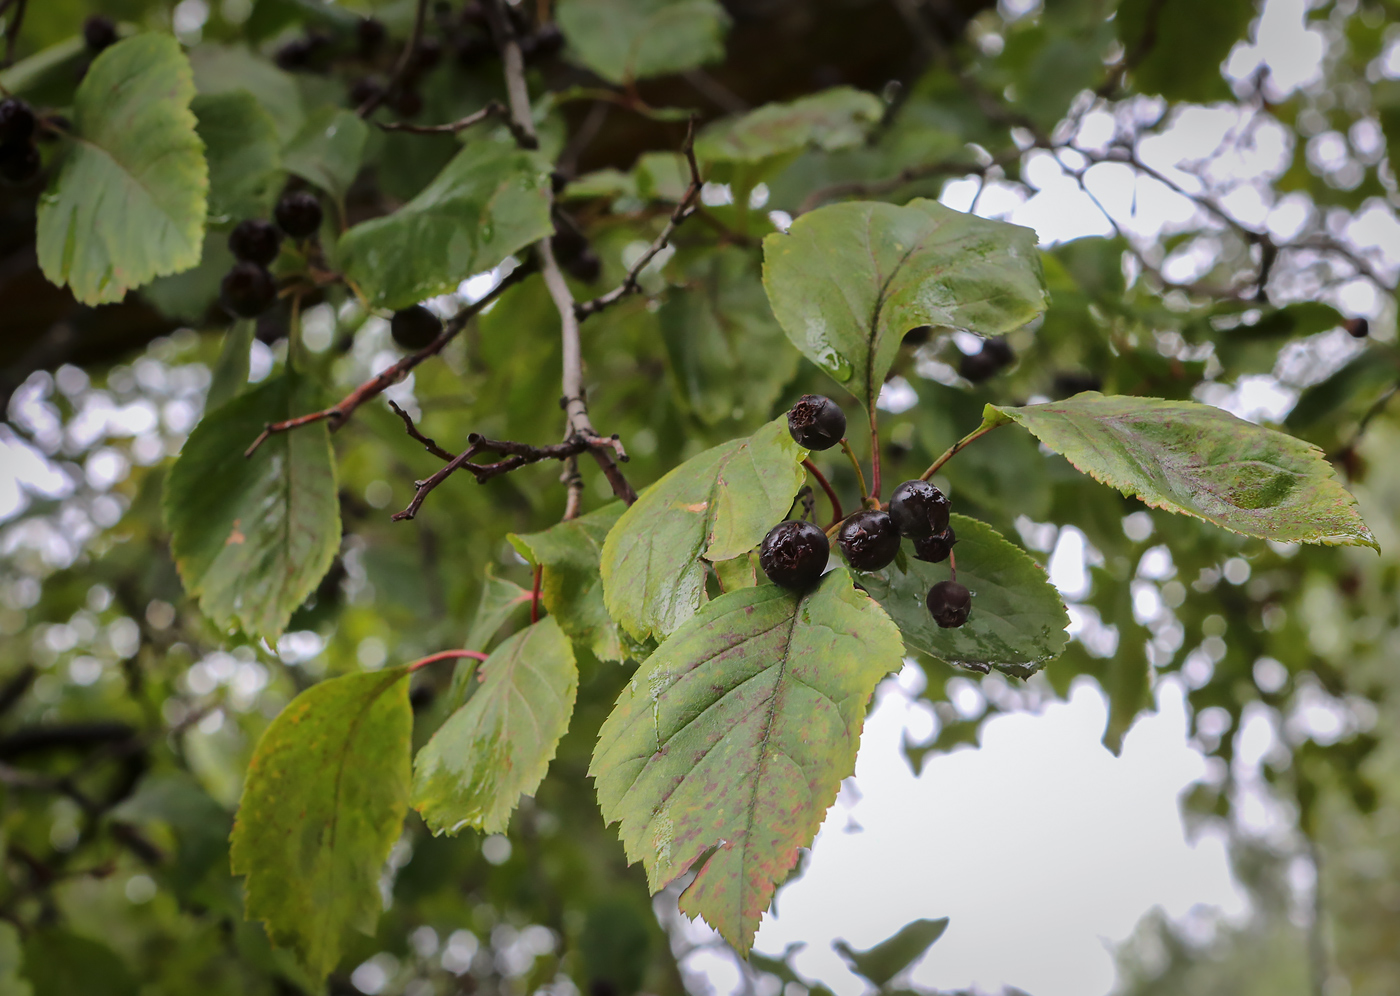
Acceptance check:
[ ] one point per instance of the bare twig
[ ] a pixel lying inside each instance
(341, 411)
(401, 67)
(683, 210)
(428, 444)
(494, 109)
(836, 513)
(446, 655)
(957, 447)
(12, 34)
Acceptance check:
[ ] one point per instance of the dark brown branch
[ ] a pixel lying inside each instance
(492, 110)
(396, 78)
(13, 690)
(428, 444)
(341, 411)
(836, 514)
(57, 736)
(683, 211)
(12, 33)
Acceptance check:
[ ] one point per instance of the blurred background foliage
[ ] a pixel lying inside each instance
(126, 720)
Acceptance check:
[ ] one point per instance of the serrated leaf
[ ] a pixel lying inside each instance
(245, 160)
(498, 746)
(571, 586)
(848, 280)
(733, 737)
(328, 149)
(491, 200)
(624, 40)
(1198, 460)
(727, 352)
(253, 536)
(129, 203)
(893, 955)
(500, 599)
(716, 505)
(323, 803)
(834, 119)
(1018, 620)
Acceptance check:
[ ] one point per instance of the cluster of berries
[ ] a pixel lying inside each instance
(248, 289)
(794, 553)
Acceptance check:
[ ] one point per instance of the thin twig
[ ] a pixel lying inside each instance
(836, 514)
(860, 474)
(958, 447)
(494, 109)
(341, 411)
(535, 595)
(446, 655)
(401, 67)
(683, 210)
(12, 34)
(428, 444)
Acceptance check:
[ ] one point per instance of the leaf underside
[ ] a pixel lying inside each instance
(1198, 460)
(733, 737)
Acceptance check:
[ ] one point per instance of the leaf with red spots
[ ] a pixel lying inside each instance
(730, 742)
(324, 801)
(1200, 461)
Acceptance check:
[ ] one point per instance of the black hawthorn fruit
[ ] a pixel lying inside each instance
(586, 266)
(408, 103)
(794, 554)
(255, 241)
(293, 55)
(816, 422)
(936, 548)
(19, 162)
(16, 121)
(868, 539)
(272, 325)
(919, 509)
(99, 32)
(1070, 383)
(474, 14)
(298, 214)
(996, 354)
(473, 48)
(427, 55)
(949, 603)
(370, 34)
(548, 40)
(415, 327)
(248, 289)
(364, 90)
(1357, 328)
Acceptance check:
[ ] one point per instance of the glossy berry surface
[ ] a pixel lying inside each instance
(255, 241)
(248, 289)
(794, 554)
(936, 548)
(16, 121)
(949, 603)
(298, 214)
(919, 509)
(816, 422)
(415, 327)
(99, 32)
(868, 539)
(19, 162)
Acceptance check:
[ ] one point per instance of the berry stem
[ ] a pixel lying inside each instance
(874, 454)
(860, 474)
(957, 447)
(952, 566)
(535, 595)
(836, 513)
(446, 655)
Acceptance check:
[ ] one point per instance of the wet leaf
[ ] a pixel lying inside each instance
(571, 586)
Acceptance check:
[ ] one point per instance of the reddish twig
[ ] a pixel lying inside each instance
(446, 655)
(535, 596)
(836, 514)
(428, 444)
(683, 210)
(874, 454)
(341, 411)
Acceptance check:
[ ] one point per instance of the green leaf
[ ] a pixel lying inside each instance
(716, 505)
(1176, 46)
(252, 536)
(738, 572)
(624, 40)
(847, 281)
(727, 352)
(61, 964)
(498, 746)
(491, 200)
(221, 69)
(571, 586)
(733, 737)
(245, 162)
(499, 600)
(229, 378)
(1017, 623)
(324, 801)
(1200, 461)
(834, 119)
(329, 149)
(12, 963)
(893, 955)
(129, 203)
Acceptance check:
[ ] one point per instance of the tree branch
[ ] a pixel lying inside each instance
(400, 67)
(493, 109)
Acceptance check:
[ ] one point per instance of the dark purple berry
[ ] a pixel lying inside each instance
(868, 539)
(364, 90)
(1357, 328)
(408, 103)
(816, 422)
(586, 266)
(299, 214)
(936, 548)
(16, 121)
(98, 33)
(255, 241)
(474, 14)
(370, 34)
(548, 40)
(293, 55)
(949, 603)
(1070, 383)
(472, 49)
(415, 327)
(19, 162)
(271, 326)
(427, 55)
(996, 354)
(248, 289)
(919, 509)
(794, 554)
